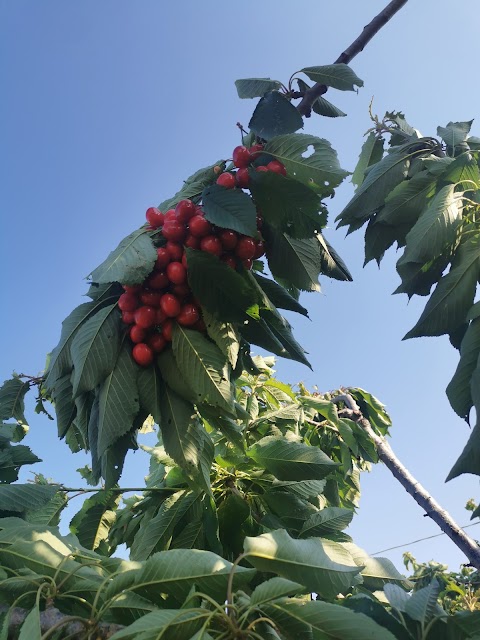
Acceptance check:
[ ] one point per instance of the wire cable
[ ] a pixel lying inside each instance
(437, 535)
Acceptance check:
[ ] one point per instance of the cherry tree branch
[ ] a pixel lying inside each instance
(358, 45)
(421, 496)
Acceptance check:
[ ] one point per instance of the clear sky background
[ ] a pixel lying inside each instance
(107, 106)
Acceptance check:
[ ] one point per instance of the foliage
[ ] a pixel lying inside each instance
(423, 195)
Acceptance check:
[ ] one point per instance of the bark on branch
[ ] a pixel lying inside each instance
(370, 30)
(440, 516)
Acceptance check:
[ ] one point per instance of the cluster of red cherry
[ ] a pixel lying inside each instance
(151, 308)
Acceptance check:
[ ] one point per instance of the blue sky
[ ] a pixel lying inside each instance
(109, 105)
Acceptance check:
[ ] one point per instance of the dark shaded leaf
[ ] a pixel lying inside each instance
(12, 399)
(338, 76)
(331, 264)
(130, 263)
(294, 261)
(458, 389)
(279, 296)
(274, 115)
(371, 153)
(230, 209)
(256, 87)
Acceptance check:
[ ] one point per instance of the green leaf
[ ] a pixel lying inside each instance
(256, 87)
(458, 389)
(326, 521)
(282, 331)
(324, 407)
(130, 263)
(171, 374)
(436, 227)
(463, 171)
(295, 261)
(60, 359)
(331, 264)
(194, 185)
(94, 349)
(171, 623)
(453, 296)
(150, 384)
(376, 572)
(273, 589)
(93, 522)
(279, 296)
(12, 458)
(331, 621)
(65, 408)
(380, 237)
(25, 497)
(274, 115)
(49, 513)
(230, 209)
(375, 611)
(418, 279)
(185, 438)
(287, 205)
(30, 629)
(382, 178)
(455, 132)
(204, 367)
(320, 565)
(118, 401)
(469, 460)
(156, 535)
(231, 297)
(175, 571)
(319, 170)
(288, 460)
(325, 108)
(397, 597)
(371, 153)
(339, 76)
(12, 400)
(224, 335)
(404, 204)
(423, 604)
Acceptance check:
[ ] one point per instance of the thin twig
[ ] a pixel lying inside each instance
(440, 516)
(370, 30)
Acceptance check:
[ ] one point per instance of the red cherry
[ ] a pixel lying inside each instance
(248, 263)
(160, 316)
(256, 150)
(245, 248)
(132, 288)
(174, 230)
(181, 291)
(185, 210)
(158, 280)
(145, 317)
(170, 215)
(241, 157)
(128, 317)
(176, 273)
(242, 178)
(150, 299)
(228, 239)
(157, 342)
(142, 354)
(199, 227)
(211, 244)
(175, 250)
(259, 250)
(199, 210)
(226, 180)
(261, 169)
(163, 258)
(192, 242)
(155, 218)
(200, 326)
(128, 302)
(229, 260)
(277, 167)
(167, 330)
(137, 334)
(189, 315)
(170, 305)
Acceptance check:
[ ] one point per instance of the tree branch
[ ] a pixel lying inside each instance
(421, 496)
(370, 30)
